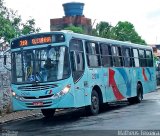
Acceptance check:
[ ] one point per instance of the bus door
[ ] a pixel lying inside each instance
(95, 72)
(78, 74)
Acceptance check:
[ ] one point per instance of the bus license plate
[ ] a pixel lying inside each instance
(37, 103)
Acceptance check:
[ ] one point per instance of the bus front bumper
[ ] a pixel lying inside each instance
(66, 101)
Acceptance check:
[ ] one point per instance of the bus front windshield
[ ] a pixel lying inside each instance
(40, 65)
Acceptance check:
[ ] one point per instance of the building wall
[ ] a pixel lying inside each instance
(156, 50)
(79, 21)
(5, 91)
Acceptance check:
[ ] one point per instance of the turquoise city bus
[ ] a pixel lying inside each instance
(62, 69)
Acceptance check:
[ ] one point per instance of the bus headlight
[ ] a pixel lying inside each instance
(17, 96)
(63, 92)
(66, 89)
(13, 94)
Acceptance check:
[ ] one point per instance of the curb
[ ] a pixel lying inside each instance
(19, 115)
(158, 87)
(14, 116)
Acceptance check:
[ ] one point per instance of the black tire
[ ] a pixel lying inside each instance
(104, 107)
(139, 97)
(93, 109)
(48, 113)
(131, 100)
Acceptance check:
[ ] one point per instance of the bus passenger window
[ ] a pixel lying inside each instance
(106, 55)
(92, 54)
(136, 58)
(117, 56)
(149, 58)
(127, 57)
(142, 58)
(120, 56)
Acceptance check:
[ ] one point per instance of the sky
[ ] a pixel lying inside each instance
(143, 14)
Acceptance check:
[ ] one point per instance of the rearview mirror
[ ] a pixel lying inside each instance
(7, 60)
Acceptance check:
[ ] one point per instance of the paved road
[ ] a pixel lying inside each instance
(119, 116)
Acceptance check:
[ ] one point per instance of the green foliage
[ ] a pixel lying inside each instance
(6, 30)
(75, 29)
(104, 29)
(94, 32)
(11, 24)
(29, 27)
(156, 60)
(123, 31)
(155, 57)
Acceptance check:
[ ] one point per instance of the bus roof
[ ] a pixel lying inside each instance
(69, 33)
(105, 40)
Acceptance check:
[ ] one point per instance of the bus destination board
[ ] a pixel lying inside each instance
(37, 39)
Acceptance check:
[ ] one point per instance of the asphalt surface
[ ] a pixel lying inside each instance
(117, 119)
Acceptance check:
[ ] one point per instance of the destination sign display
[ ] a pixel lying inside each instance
(37, 39)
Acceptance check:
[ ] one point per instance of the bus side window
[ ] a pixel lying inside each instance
(135, 57)
(149, 58)
(106, 55)
(120, 56)
(127, 57)
(117, 56)
(92, 54)
(142, 58)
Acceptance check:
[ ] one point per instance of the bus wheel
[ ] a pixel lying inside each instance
(139, 96)
(48, 113)
(93, 109)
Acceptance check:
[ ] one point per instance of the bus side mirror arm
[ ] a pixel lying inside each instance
(5, 60)
(9, 69)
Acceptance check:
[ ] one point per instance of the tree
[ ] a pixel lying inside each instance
(11, 24)
(94, 32)
(123, 31)
(29, 27)
(103, 29)
(75, 29)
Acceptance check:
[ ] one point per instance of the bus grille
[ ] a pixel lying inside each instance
(45, 104)
(37, 87)
(40, 97)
